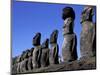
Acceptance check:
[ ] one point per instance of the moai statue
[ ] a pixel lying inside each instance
(24, 61)
(37, 51)
(45, 54)
(29, 65)
(69, 49)
(88, 35)
(54, 49)
(18, 63)
(21, 63)
(15, 62)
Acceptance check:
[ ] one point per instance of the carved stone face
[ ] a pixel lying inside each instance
(31, 50)
(68, 26)
(22, 55)
(36, 39)
(54, 36)
(18, 59)
(45, 43)
(14, 60)
(29, 53)
(68, 12)
(25, 54)
(87, 14)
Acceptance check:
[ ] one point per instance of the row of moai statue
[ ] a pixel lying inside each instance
(39, 56)
(23, 62)
(87, 37)
(42, 56)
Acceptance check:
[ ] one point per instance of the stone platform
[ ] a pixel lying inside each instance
(82, 64)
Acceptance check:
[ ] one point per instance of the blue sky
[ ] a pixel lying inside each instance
(29, 18)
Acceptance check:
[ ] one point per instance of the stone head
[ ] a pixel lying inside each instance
(14, 60)
(30, 52)
(87, 14)
(22, 55)
(68, 26)
(45, 43)
(68, 12)
(18, 59)
(36, 39)
(25, 54)
(54, 36)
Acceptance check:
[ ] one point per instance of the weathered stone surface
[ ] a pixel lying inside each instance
(69, 50)
(45, 44)
(36, 56)
(18, 63)
(45, 53)
(30, 54)
(87, 14)
(15, 66)
(54, 49)
(54, 36)
(37, 51)
(24, 61)
(29, 64)
(88, 35)
(68, 26)
(24, 67)
(53, 56)
(14, 60)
